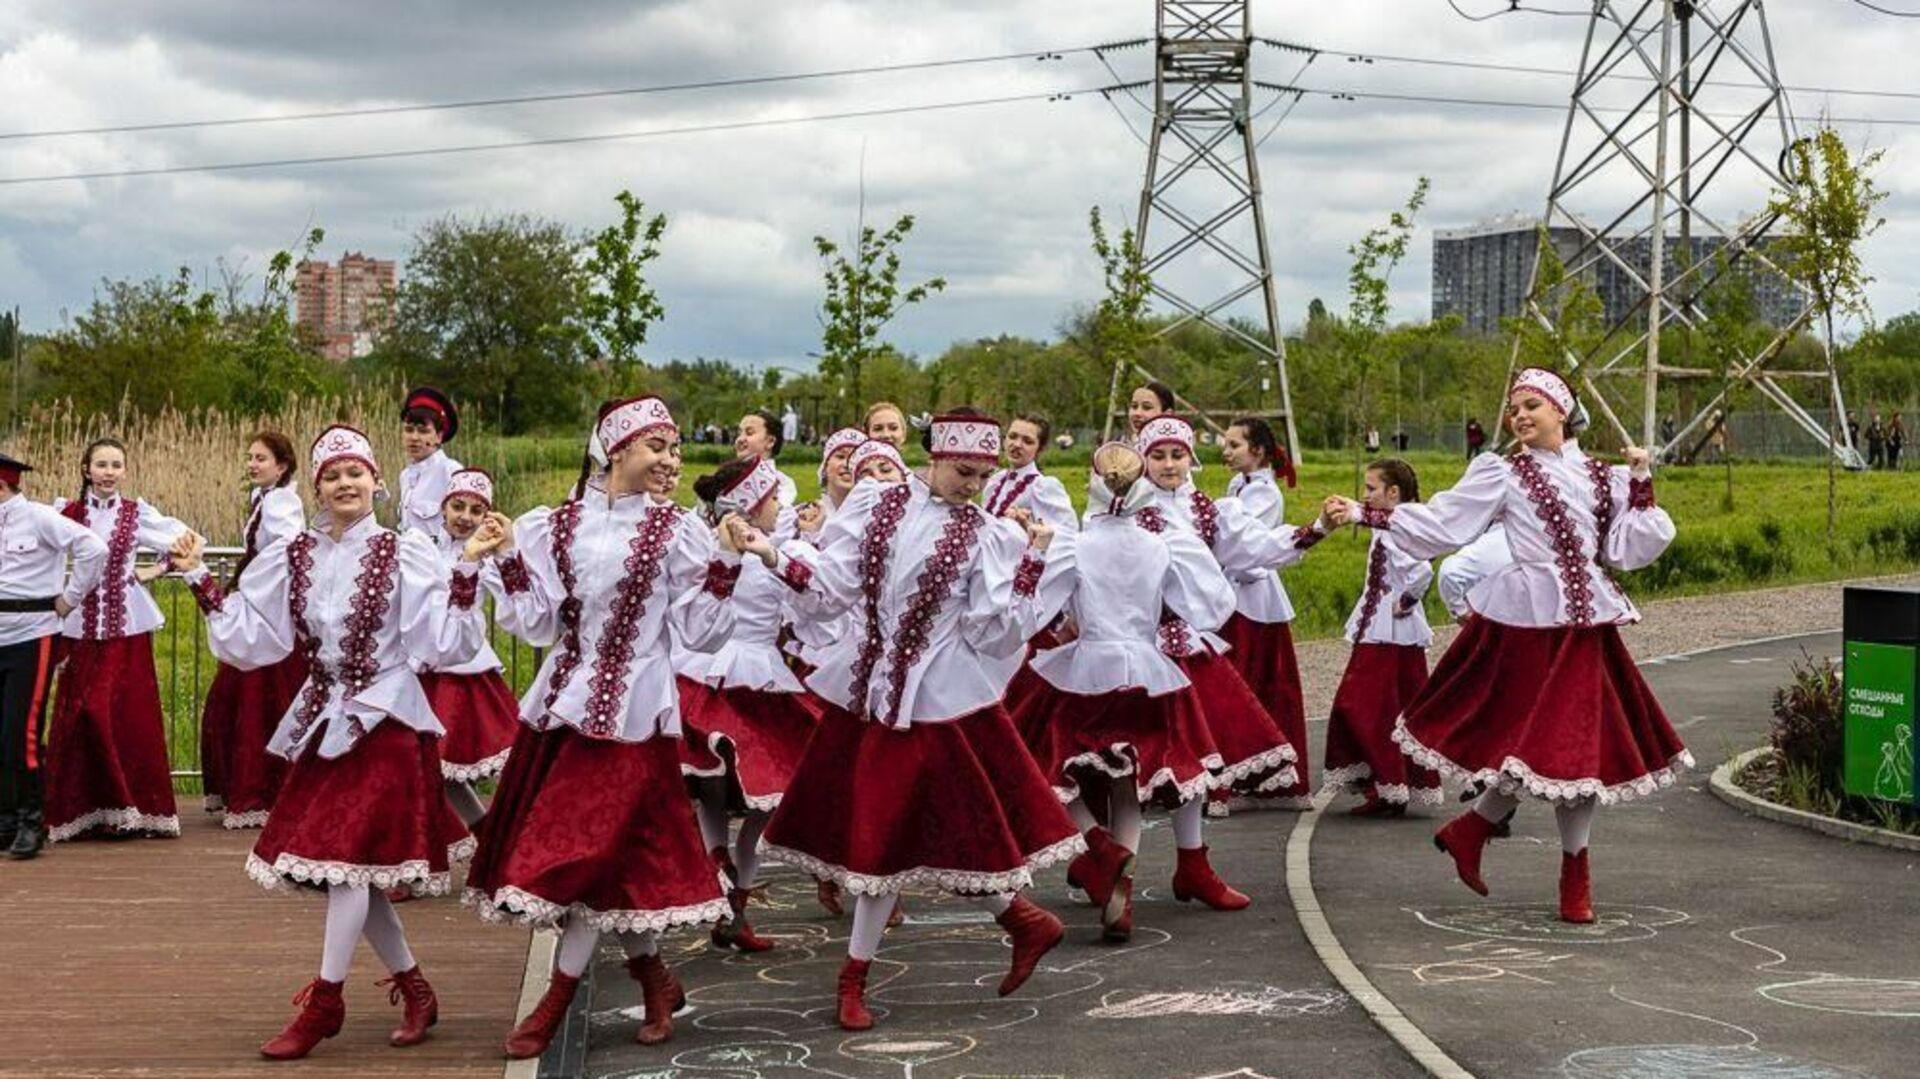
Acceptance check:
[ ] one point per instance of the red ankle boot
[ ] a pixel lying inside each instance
(1034, 933)
(1465, 838)
(1576, 889)
(423, 1008)
(734, 932)
(1080, 870)
(321, 1012)
(661, 994)
(828, 893)
(1116, 918)
(531, 1037)
(1194, 878)
(853, 995)
(1107, 862)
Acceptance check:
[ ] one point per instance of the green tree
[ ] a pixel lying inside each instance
(488, 309)
(1119, 328)
(619, 306)
(262, 350)
(1830, 209)
(1375, 256)
(863, 295)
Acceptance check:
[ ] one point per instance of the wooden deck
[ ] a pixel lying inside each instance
(161, 958)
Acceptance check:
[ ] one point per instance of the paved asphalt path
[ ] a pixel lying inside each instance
(1726, 946)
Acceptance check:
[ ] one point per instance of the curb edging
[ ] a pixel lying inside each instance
(1725, 789)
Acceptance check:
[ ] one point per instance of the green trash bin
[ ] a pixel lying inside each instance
(1880, 665)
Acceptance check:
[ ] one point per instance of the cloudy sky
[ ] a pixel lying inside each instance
(1001, 192)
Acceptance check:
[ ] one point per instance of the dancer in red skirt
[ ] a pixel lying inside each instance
(1116, 725)
(746, 717)
(1538, 695)
(1257, 753)
(591, 830)
(1386, 669)
(361, 810)
(474, 703)
(243, 707)
(916, 776)
(1261, 629)
(108, 769)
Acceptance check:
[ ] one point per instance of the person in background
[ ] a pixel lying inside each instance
(1896, 441)
(1876, 443)
(1021, 485)
(760, 436)
(428, 421)
(1476, 438)
(1148, 403)
(886, 422)
(789, 424)
(1373, 439)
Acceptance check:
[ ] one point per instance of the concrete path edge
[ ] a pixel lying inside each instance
(1725, 789)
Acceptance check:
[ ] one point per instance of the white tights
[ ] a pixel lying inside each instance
(1123, 812)
(1574, 818)
(579, 939)
(354, 911)
(870, 913)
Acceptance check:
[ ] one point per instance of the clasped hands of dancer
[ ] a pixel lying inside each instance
(494, 536)
(1340, 510)
(738, 536)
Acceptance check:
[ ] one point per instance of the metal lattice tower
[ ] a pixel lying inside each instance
(1677, 133)
(1201, 222)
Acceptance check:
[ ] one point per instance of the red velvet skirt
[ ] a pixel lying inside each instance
(960, 806)
(107, 763)
(1162, 742)
(1263, 654)
(482, 719)
(755, 738)
(1560, 713)
(1256, 754)
(595, 829)
(1379, 683)
(1026, 682)
(374, 815)
(243, 708)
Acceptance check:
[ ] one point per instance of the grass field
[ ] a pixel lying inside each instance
(1774, 534)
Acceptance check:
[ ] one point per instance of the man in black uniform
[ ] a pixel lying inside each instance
(35, 543)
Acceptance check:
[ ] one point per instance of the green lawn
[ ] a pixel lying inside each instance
(1775, 534)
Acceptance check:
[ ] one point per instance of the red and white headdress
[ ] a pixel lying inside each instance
(844, 438)
(965, 438)
(1548, 385)
(341, 443)
(751, 490)
(636, 417)
(871, 449)
(471, 482)
(1165, 431)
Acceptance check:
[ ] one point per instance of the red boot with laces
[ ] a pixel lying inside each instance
(423, 1008)
(1194, 878)
(536, 1031)
(322, 1011)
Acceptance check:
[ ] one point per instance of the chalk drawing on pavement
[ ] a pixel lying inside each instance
(1827, 991)
(1614, 923)
(1746, 1058)
(1484, 960)
(1265, 1001)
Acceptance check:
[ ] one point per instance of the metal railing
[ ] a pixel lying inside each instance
(186, 666)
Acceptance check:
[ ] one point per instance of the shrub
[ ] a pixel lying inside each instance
(1807, 724)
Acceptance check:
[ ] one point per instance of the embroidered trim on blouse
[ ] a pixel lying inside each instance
(463, 590)
(367, 611)
(110, 594)
(875, 548)
(1206, 518)
(1371, 517)
(1568, 557)
(208, 594)
(1376, 585)
(1307, 535)
(1026, 579)
(513, 574)
(566, 522)
(607, 687)
(721, 578)
(1640, 493)
(951, 554)
(796, 575)
(1173, 637)
(1013, 491)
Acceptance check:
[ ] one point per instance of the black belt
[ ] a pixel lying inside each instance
(32, 605)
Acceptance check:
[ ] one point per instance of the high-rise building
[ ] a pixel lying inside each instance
(344, 304)
(1481, 273)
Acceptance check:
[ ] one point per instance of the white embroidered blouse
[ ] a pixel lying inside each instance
(1389, 609)
(1569, 519)
(120, 606)
(423, 486)
(1247, 551)
(366, 609)
(1030, 489)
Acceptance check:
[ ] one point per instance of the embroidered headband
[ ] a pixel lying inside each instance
(1165, 431)
(751, 490)
(633, 418)
(965, 438)
(471, 482)
(843, 439)
(1548, 385)
(871, 449)
(432, 400)
(341, 443)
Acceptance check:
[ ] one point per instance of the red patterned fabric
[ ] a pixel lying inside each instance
(1568, 555)
(513, 574)
(482, 719)
(462, 590)
(374, 815)
(566, 521)
(1256, 753)
(1640, 493)
(106, 763)
(959, 806)
(1375, 517)
(1161, 743)
(613, 659)
(242, 710)
(754, 738)
(796, 574)
(597, 828)
(1380, 681)
(1561, 712)
(722, 578)
(367, 609)
(1206, 518)
(876, 547)
(1263, 653)
(1026, 578)
(951, 553)
(103, 613)
(208, 594)
(1010, 493)
(1376, 589)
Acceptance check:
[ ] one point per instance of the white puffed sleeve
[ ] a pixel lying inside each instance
(251, 627)
(1052, 505)
(828, 585)
(1416, 574)
(88, 551)
(530, 582)
(1454, 518)
(1641, 530)
(156, 531)
(282, 516)
(1246, 548)
(699, 579)
(1195, 589)
(440, 617)
(1008, 595)
(1264, 503)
